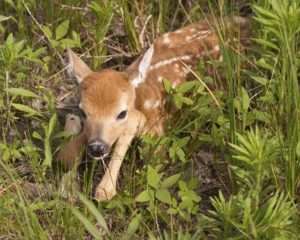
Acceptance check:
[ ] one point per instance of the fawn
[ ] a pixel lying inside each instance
(122, 105)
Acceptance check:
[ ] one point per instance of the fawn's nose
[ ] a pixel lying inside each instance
(97, 149)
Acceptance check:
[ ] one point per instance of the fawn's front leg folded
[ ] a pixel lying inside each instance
(106, 190)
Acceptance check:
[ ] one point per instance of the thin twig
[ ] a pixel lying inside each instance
(203, 83)
(142, 34)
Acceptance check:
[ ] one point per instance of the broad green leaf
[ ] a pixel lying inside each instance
(62, 30)
(42, 205)
(164, 196)
(90, 227)
(47, 143)
(4, 18)
(264, 64)
(178, 101)
(187, 100)
(186, 86)
(191, 195)
(48, 153)
(68, 43)
(263, 42)
(133, 226)
(153, 177)
(36, 135)
(180, 154)
(19, 47)
(21, 92)
(170, 181)
(24, 108)
(263, 81)
(265, 12)
(167, 85)
(47, 32)
(101, 221)
(10, 39)
(52, 124)
(298, 149)
(245, 100)
(143, 197)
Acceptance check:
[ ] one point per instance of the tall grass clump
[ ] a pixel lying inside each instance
(279, 38)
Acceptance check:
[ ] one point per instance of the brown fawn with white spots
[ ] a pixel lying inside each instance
(122, 105)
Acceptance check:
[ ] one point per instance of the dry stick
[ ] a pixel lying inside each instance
(74, 8)
(12, 185)
(142, 33)
(66, 67)
(40, 27)
(119, 50)
(59, 55)
(185, 12)
(203, 83)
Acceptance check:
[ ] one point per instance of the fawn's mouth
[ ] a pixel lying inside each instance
(102, 157)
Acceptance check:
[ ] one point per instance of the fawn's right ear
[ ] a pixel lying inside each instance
(77, 67)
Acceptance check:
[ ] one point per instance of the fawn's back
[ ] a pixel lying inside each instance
(174, 54)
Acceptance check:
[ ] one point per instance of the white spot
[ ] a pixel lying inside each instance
(149, 104)
(166, 39)
(216, 48)
(156, 104)
(213, 50)
(144, 67)
(193, 30)
(160, 79)
(177, 68)
(170, 61)
(199, 35)
(188, 38)
(179, 31)
(80, 105)
(186, 70)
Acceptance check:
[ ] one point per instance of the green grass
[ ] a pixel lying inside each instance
(222, 171)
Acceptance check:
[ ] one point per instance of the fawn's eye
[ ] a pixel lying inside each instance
(122, 115)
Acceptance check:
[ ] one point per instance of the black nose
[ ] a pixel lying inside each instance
(97, 148)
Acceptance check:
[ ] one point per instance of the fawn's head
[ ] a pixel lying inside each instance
(107, 99)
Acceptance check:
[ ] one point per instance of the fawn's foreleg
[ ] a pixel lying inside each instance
(107, 187)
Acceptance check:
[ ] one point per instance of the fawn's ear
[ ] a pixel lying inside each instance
(143, 68)
(77, 67)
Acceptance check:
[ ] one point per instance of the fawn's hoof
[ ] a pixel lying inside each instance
(105, 193)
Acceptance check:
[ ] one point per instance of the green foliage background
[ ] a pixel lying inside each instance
(246, 131)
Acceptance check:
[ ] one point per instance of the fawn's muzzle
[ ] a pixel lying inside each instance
(98, 149)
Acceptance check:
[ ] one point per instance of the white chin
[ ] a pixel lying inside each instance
(100, 157)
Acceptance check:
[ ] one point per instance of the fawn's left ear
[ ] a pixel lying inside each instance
(77, 67)
(143, 68)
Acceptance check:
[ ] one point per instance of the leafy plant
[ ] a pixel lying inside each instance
(239, 218)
